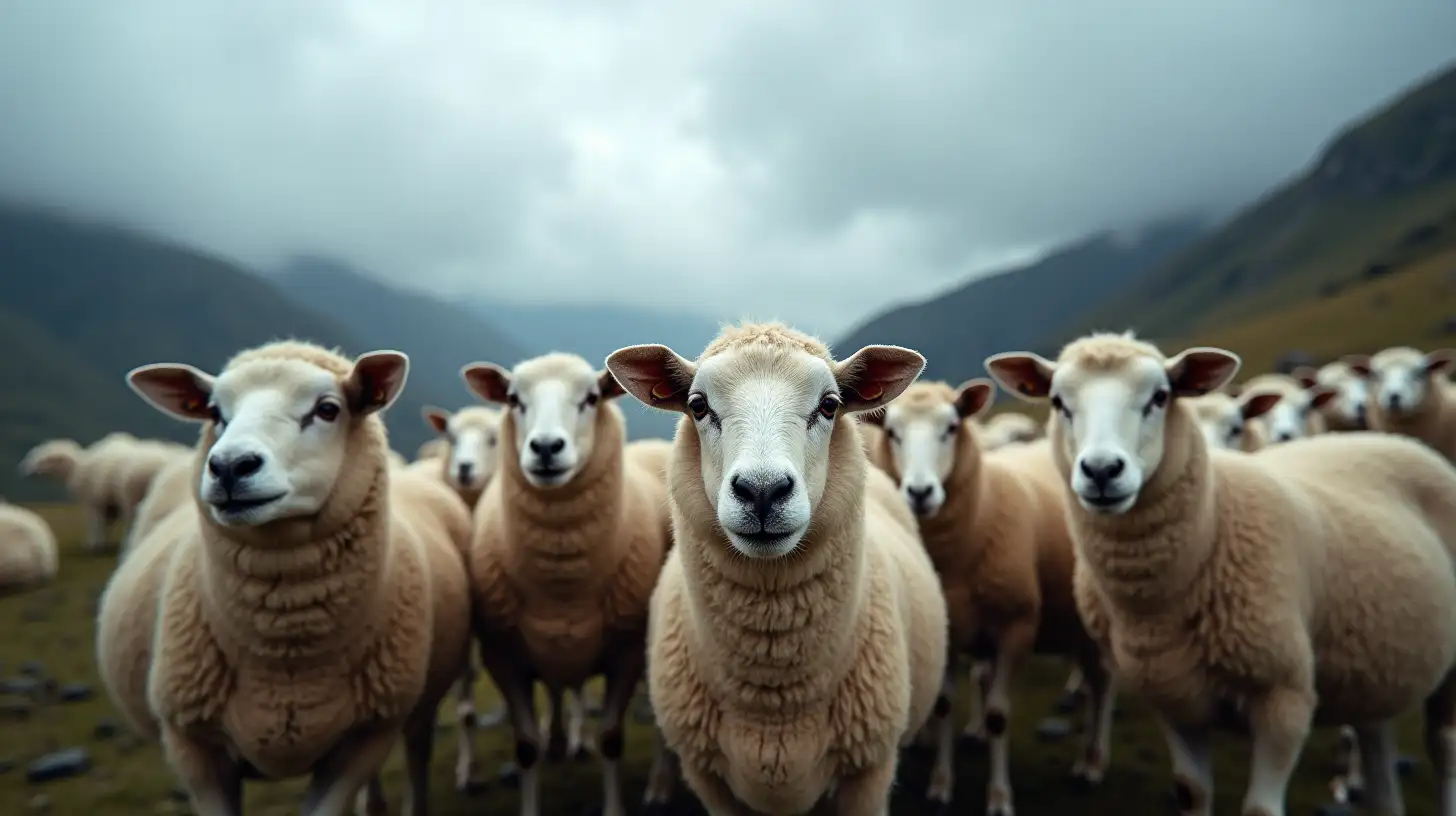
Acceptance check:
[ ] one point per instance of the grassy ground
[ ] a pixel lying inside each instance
(53, 625)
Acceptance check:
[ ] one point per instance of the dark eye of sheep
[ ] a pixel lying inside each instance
(591, 399)
(327, 411)
(513, 400)
(828, 406)
(698, 404)
(1060, 407)
(216, 414)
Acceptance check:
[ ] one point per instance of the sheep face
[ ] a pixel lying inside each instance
(924, 431)
(473, 435)
(1402, 377)
(553, 401)
(1348, 405)
(1111, 405)
(280, 427)
(764, 414)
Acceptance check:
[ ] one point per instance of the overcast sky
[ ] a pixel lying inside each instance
(806, 160)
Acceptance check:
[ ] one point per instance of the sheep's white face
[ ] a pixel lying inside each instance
(554, 401)
(1351, 394)
(1220, 418)
(1401, 378)
(473, 435)
(1113, 420)
(764, 419)
(924, 437)
(281, 428)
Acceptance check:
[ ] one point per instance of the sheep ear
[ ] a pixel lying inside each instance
(1258, 403)
(176, 389)
(437, 418)
(875, 417)
(875, 375)
(488, 381)
(377, 381)
(1440, 361)
(974, 397)
(1321, 394)
(1199, 370)
(1358, 363)
(654, 374)
(608, 385)
(1025, 375)
(1307, 377)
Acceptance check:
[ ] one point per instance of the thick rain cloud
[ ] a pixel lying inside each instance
(802, 160)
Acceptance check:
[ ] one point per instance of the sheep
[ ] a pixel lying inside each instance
(304, 616)
(1008, 428)
(1411, 395)
(1347, 410)
(1292, 416)
(993, 525)
(472, 437)
(798, 630)
(1311, 583)
(27, 548)
(569, 539)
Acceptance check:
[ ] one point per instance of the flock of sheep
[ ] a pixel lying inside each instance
(794, 575)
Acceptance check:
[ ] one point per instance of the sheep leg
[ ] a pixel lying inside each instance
(575, 721)
(211, 778)
(1192, 767)
(1073, 690)
(338, 777)
(371, 801)
(975, 732)
(555, 727)
(942, 774)
(518, 692)
(1377, 764)
(621, 684)
(1101, 693)
(1440, 734)
(1279, 720)
(419, 745)
(1013, 645)
(466, 731)
(95, 529)
(662, 778)
(866, 793)
(1349, 785)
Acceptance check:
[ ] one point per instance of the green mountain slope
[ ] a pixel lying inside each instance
(1380, 195)
(439, 337)
(80, 304)
(957, 330)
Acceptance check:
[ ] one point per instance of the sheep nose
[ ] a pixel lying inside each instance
(464, 471)
(230, 470)
(1360, 415)
(1283, 436)
(919, 495)
(762, 493)
(546, 447)
(1102, 469)
(1392, 402)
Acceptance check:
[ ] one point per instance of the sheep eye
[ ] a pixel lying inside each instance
(1060, 407)
(829, 406)
(591, 399)
(891, 435)
(490, 442)
(698, 405)
(1236, 430)
(952, 428)
(216, 415)
(513, 400)
(327, 411)
(1160, 397)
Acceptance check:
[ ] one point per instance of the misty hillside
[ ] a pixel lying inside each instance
(439, 337)
(1381, 194)
(596, 331)
(1015, 309)
(81, 304)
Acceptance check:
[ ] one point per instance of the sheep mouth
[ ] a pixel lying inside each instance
(233, 506)
(548, 473)
(1106, 501)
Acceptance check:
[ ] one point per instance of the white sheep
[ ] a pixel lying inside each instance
(1348, 410)
(1410, 394)
(305, 616)
(27, 548)
(798, 631)
(569, 540)
(1266, 582)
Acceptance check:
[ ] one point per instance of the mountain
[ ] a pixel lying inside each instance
(82, 303)
(440, 337)
(1016, 308)
(1380, 195)
(596, 331)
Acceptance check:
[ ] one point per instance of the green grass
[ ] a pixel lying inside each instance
(54, 624)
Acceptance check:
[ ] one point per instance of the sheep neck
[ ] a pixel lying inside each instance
(951, 537)
(1147, 559)
(561, 537)
(301, 592)
(778, 633)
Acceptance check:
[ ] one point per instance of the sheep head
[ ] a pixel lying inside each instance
(473, 437)
(927, 432)
(280, 419)
(1402, 377)
(764, 401)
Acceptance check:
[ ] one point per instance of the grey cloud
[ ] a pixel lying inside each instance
(804, 161)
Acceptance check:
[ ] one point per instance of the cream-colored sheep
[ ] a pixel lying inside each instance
(1007, 428)
(1293, 415)
(306, 615)
(569, 539)
(27, 548)
(1410, 394)
(993, 524)
(1224, 420)
(1347, 410)
(798, 631)
(1311, 583)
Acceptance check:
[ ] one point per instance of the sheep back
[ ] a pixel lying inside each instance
(27, 548)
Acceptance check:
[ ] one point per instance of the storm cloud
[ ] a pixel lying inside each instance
(806, 160)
